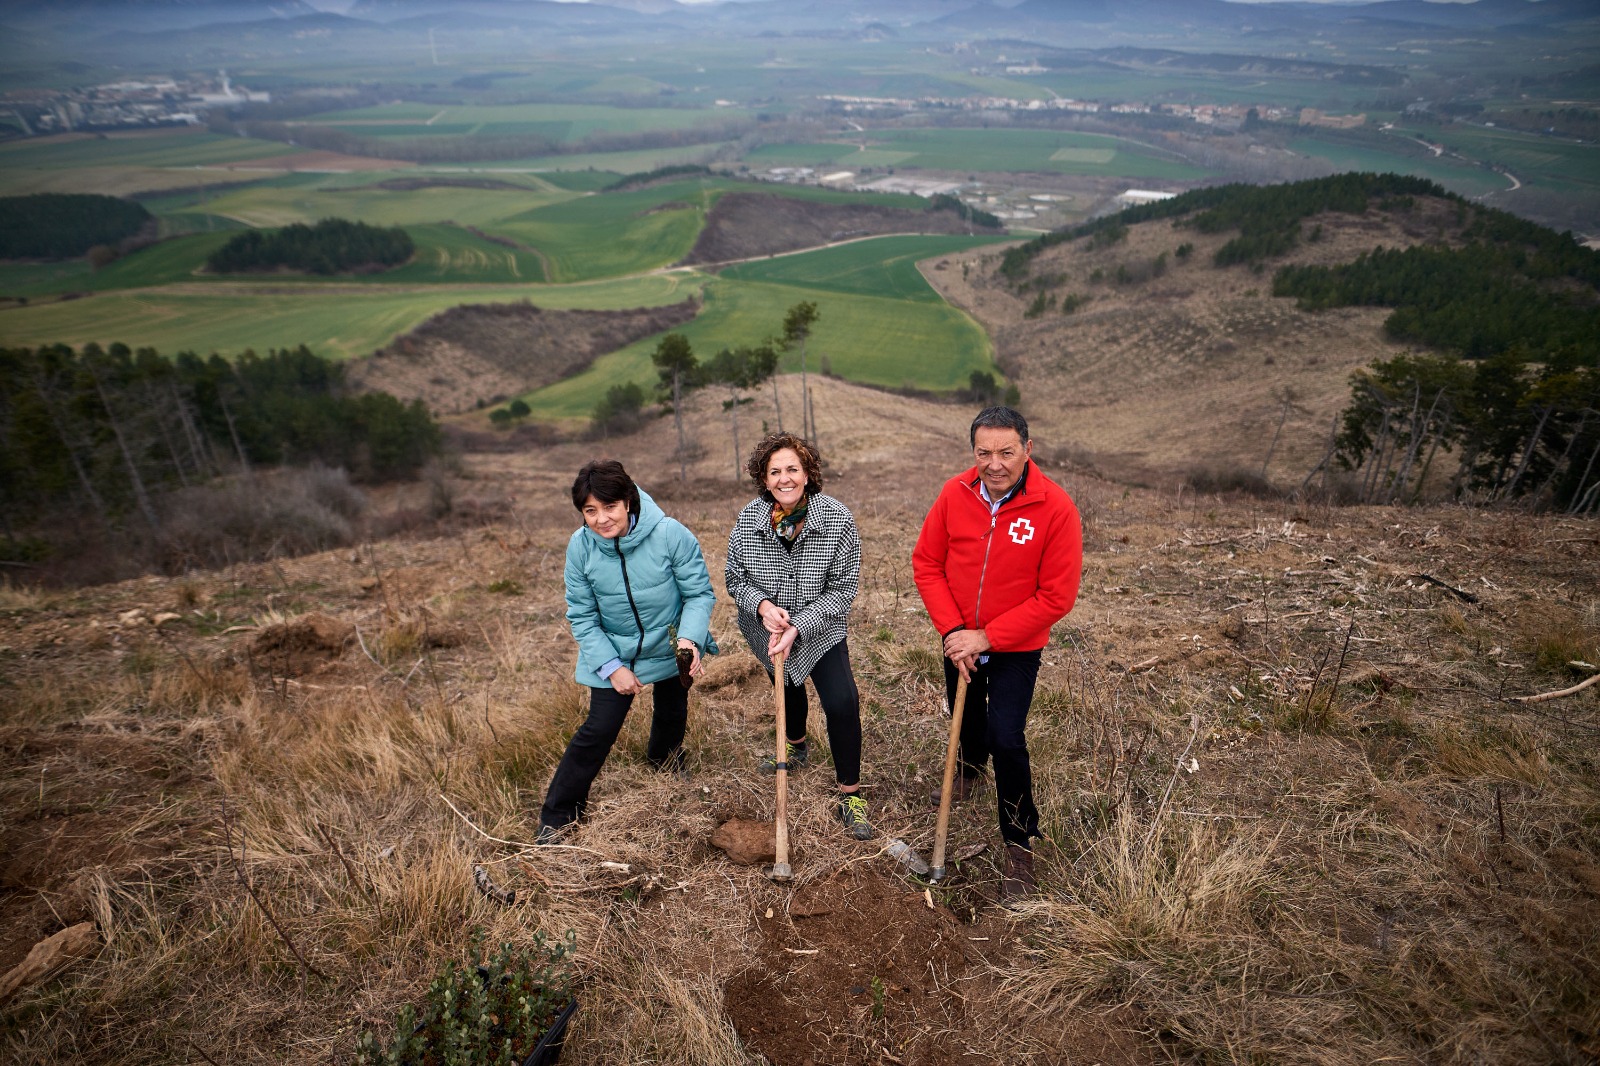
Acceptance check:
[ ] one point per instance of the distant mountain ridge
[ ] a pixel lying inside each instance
(956, 16)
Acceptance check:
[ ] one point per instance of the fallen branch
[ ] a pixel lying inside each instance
(512, 843)
(1544, 696)
(1465, 597)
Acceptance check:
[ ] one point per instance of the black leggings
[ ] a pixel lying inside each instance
(841, 705)
(568, 794)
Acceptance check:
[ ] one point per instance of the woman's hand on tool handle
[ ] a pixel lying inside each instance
(775, 618)
(698, 667)
(625, 681)
(780, 642)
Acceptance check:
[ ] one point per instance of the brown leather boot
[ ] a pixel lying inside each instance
(963, 787)
(1019, 880)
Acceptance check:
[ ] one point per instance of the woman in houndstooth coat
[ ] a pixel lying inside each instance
(794, 560)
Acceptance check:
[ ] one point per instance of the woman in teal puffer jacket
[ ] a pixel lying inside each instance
(634, 578)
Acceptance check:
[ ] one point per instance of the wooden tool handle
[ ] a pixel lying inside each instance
(942, 831)
(782, 826)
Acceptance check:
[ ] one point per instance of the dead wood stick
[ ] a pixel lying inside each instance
(238, 867)
(1177, 768)
(198, 1050)
(349, 871)
(1465, 597)
(1544, 696)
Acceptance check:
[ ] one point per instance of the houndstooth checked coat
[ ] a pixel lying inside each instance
(815, 581)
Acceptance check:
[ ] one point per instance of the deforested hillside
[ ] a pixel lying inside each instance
(476, 354)
(747, 225)
(1291, 810)
(1220, 330)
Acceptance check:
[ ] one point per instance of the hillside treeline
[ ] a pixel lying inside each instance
(1518, 428)
(331, 246)
(104, 431)
(65, 225)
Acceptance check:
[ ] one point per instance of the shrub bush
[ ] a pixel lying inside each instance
(489, 1014)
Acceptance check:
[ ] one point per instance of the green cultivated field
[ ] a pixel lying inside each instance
(155, 148)
(339, 321)
(1453, 174)
(870, 339)
(987, 150)
(559, 122)
(1013, 150)
(879, 266)
(280, 202)
(1527, 155)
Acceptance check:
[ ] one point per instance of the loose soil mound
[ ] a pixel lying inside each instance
(870, 968)
(751, 225)
(479, 354)
(300, 647)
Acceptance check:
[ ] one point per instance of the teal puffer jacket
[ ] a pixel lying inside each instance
(621, 603)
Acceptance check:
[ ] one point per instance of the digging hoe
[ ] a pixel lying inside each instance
(779, 870)
(942, 832)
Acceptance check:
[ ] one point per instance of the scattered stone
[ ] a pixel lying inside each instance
(747, 842)
(131, 618)
(166, 617)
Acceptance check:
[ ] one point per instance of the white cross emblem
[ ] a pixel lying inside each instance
(1021, 531)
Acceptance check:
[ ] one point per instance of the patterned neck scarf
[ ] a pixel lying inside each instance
(786, 524)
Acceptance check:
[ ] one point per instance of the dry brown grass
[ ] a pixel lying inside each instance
(1371, 857)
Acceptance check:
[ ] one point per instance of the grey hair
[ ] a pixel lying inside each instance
(999, 418)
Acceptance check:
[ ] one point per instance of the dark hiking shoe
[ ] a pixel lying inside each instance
(550, 834)
(853, 813)
(963, 787)
(796, 755)
(676, 764)
(1019, 881)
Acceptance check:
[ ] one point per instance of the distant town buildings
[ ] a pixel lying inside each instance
(128, 104)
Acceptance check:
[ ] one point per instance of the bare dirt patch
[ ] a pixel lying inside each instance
(750, 225)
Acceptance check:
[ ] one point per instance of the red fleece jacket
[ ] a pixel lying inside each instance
(1013, 575)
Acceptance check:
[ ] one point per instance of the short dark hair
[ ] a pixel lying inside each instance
(998, 418)
(773, 443)
(606, 481)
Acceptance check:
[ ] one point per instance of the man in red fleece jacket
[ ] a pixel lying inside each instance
(997, 564)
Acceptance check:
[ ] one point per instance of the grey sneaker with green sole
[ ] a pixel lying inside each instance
(796, 754)
(853, 813)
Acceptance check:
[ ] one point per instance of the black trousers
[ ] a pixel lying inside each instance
(841, 706)
(993, 726)
(568, 795)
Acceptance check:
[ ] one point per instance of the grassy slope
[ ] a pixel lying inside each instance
(872, 339)
(881, 266)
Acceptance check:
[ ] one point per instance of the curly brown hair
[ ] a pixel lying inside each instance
(773, 443)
